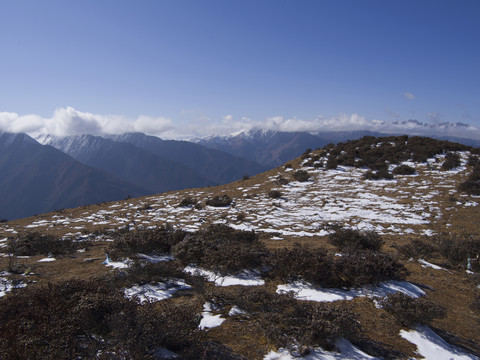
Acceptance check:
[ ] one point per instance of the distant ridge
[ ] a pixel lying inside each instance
(38, 179)
(129, 162)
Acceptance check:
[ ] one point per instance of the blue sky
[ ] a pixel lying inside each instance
(181, 63)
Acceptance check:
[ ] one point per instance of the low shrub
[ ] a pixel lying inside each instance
(418, 249)
(452, 160)
(332, 163)
(301, 263)
(219, 201)
(349, 239)
(411, 311)
(222, 249)
(301, 175)
(403, 170)
(144, 272)
(354, 269)
(159, 240)
(187, 202)
(366, 267)
(292, 324)
(275, 194)
(281, 180)
(457, 250)
(35, 243)
(87, 320)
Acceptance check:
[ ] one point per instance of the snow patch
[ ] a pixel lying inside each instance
(433, 347)
(305, 291)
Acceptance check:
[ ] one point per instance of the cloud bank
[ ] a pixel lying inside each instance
(69, 121)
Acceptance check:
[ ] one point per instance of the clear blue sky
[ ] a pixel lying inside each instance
(179, 59)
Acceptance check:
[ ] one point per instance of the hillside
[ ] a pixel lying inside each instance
(36, 179)
(372, 237)
(130, 163)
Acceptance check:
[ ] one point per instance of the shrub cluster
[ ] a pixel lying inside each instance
(410, 311)
(377, 153)
(457, 250)
(287, 322)
(158, 240)
(35, 243)
(403, 170)
(219, 201)
(418, 249)
(472, 184)
(275, 194)
(88, 320)
(187, 202)
(301, 175)
(452, 160)
(353, 269)
(221, 248)
(350, 239)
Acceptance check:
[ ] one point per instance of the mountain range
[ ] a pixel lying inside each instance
(59, 172)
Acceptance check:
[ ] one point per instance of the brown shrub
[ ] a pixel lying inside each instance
(418, 249)
(219, 201)
(35, 243)
(158, 240)
(292, 324)
(403, 170)
(275, 194)
(223, 249)
(301, 175)
(85, 319)
(410, 311)
(349, 239)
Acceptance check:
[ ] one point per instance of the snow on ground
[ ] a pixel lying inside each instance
(47, 259)
(347, 352)
(427, 264)
(155, 258)
(116, 264)
(305, 291)
(245, 278)
(406, 205)
(432, 347)
(208, 319)
(156, 292)
(6, 286)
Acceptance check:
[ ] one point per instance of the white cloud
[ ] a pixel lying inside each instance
(68, 121)
(408, 96)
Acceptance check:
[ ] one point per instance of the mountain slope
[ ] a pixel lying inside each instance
(218, 166)
(399, 247)
(130, 163)
(37, 179)
(269, 148)
(424, 224)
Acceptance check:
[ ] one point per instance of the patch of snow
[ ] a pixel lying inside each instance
(47, 259)
(433, 347)
(156, 258)
(208, 319)
(426, 264)
(347, 352)
(6, 286)
(155, 292)
(116, 264)
(235, 310)
(245, 278)
(305, 291)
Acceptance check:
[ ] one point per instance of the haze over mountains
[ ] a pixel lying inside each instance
(85, 169)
